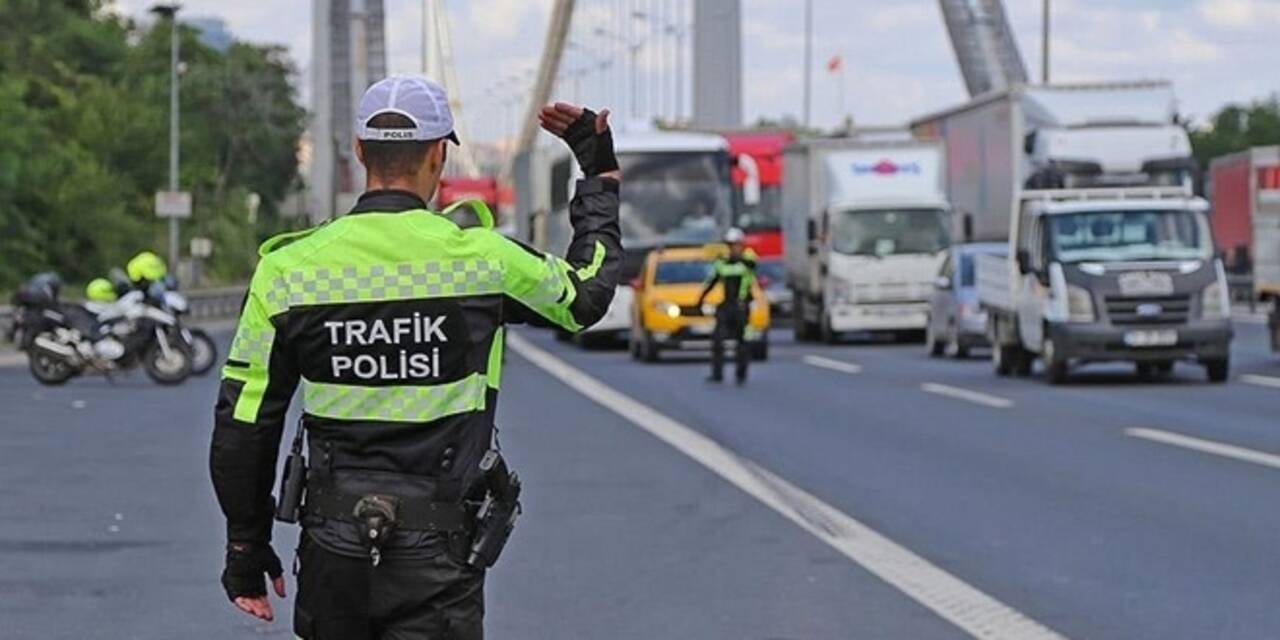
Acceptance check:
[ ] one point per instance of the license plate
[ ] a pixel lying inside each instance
(1156, 338)
(700, 329)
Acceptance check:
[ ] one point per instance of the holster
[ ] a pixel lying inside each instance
(292, 482)
(497, 515)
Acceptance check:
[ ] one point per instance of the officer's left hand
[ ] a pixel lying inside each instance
(243, 578)
(587, 134)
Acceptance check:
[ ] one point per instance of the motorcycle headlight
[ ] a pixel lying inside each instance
(1079, 304)
(1213, 302)
(667, 309)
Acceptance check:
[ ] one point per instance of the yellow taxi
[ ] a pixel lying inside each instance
(665, 314)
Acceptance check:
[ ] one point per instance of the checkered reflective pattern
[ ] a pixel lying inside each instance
(395, 404)
(252, 345)
(552, 288)
(435, 279)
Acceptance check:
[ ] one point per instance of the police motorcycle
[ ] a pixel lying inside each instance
(63, 340)
(203, 350)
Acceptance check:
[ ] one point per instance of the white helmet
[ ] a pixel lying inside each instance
(734, 235)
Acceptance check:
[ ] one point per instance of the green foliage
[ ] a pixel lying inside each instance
(84, 116)
(1236, 128)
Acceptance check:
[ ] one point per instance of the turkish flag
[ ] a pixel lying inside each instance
(834, 64)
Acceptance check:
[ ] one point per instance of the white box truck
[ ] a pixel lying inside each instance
(1110, 256)
(865, 226)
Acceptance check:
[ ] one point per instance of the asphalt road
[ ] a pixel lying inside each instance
(1107, 508)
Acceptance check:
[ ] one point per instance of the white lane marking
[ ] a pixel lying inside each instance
(1261, 381)
(1206, 446)
(834, 365)
(976, 397)
(963, 605)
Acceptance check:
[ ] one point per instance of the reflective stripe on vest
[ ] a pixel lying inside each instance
(394, 404)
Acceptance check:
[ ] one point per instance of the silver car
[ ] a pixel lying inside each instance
(956, 323)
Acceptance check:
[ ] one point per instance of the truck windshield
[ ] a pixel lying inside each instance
(681, 271)
(1117, 236)
(765, 215)
(886, 232)
(673, 197)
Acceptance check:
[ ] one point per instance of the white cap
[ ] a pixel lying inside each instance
(734, 235)
(420, 100)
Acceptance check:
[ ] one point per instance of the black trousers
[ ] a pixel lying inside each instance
(731, 324)
(344, 598)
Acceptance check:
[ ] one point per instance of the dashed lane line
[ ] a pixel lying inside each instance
(1261, 381)
(956, 601)
(1205, 446)
(967, 395)
(833, 365)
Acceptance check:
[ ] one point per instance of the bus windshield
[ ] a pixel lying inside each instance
(1119, 236)
(673, 197)
(886, 232)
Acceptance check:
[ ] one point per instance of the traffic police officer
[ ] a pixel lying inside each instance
(391, 320)
(736, 272)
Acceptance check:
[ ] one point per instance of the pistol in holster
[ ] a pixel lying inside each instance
(497, 515)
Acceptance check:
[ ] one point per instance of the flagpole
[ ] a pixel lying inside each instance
(843, 115)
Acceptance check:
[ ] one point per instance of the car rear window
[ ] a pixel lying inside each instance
(681, 271)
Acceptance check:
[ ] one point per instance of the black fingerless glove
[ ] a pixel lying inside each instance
(246, 564)
(594, 151)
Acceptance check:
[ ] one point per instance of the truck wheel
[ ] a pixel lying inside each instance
(932, 344)
(1055, 366)
(827, 334)
(805, 331)
(953, 347)
(1024, 361)
(1218, 370)
(1002, 358)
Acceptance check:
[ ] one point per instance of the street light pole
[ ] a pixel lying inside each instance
(170, 11)
(1044, 44)
(808, 60)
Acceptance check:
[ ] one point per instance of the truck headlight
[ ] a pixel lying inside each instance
(1079, 304)
(841, 290)
(667, 309)
(1213, 302)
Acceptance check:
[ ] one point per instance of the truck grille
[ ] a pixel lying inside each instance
(1149, 310)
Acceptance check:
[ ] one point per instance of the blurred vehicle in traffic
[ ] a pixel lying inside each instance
(772, 274)
(865, 224)
(1110, 257)
(1245, 193)
(757, 188)
(665, 311)
(957, 323)
(677, 193)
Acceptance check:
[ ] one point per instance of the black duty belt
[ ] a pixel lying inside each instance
(418, 514)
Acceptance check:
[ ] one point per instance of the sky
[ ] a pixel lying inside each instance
(898, 62)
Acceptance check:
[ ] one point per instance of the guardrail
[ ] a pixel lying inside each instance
(212, 304)
(206, 304)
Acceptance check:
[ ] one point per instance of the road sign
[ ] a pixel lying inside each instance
(173, 204)
(201, 247)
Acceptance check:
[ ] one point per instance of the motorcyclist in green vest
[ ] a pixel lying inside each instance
(736, 273)
(391, 320)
